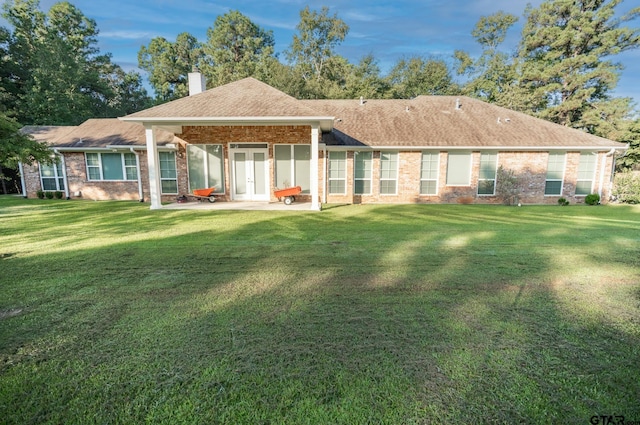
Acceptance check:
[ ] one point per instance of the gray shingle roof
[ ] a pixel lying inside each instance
(434, 121)
(244, 98)
(96, 133)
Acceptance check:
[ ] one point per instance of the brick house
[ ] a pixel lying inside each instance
(246, 139)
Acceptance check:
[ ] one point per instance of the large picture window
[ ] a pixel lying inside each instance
(168, 172)
(388, 173)
(111, 166)
(459, 169)
(586, 173)
(555, 174)
(206, 167)
(429, 173)
(362, 173)
(338, 173)
(52, 177)
(487, 175)
(292, 166)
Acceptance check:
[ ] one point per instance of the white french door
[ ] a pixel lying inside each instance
(250, 172)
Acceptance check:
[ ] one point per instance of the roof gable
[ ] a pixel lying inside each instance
(248, 98)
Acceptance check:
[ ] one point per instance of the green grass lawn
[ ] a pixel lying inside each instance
(112, 313)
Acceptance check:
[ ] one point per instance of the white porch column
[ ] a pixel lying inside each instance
(155, 189)
(315, 146)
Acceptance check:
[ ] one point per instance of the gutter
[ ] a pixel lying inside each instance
(140, 192)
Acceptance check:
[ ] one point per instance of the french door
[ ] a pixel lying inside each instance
(250, 171)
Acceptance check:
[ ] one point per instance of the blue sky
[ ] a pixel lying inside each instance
(387, 29)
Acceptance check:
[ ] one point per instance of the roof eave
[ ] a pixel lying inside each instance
(324, 122)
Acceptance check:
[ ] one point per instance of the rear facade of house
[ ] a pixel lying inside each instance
(248, 139)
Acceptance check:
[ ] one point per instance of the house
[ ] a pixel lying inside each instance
(247, 138)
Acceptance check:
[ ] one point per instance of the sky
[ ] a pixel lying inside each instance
(389, 30)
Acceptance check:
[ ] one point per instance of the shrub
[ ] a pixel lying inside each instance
(626, 188)
(58, 194)
(563, 202)
(49, 195)
(592, 199)
(40, 194)
(507, 188)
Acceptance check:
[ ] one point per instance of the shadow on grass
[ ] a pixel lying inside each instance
(413, 314)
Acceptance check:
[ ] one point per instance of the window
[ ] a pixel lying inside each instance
(52, 177)
(206, 167)
(338, 173)
(292, 166)
(388, 173)
(586, 173)
(112, 166)
(459, 169)
(168, 173)
(555, 174)
(429, 173)
(487, 175)
(363, 167)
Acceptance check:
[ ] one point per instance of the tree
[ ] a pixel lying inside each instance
(319, 35)
(169, 64)
(365, 80)
(55, 72)
(16, 147)
(416, 76)
(566, 49)
(631, 159)
(493, 76)
(236, 47)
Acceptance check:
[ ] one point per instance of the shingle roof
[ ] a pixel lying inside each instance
(434, 121)
(244, 98)
(96, 133)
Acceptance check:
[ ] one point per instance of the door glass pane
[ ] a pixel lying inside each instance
(302, 157)
(216, 167)
(283, 166)
(240, 173)
(259, 185)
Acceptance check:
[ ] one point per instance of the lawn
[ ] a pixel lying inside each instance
(112, 313)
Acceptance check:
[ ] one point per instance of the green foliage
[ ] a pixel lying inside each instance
(49, 194)
(626, 187)
(169, 64)
(631, 158)
(563, 202)
(58, 195)
(592, 199)
(507, 186)
(16, 147)
(314, 45)
(565, 51)
(235, 48)
(40, 194)
(56, 74)
(416, 76)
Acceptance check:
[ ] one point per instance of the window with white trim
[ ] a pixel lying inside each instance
(337, 173)
(555, 174)
(459, 169)
(168, 172)
(51, 176)
(206, 167)
(388, 173)
(111, 166)
(586, 173)
(363, 172)
(487, 174)
(293, 166)
(429, 173)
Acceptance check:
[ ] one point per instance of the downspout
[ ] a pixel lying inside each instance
(64, 175)
(22, 180)
(324, 175)
(613, 167)
(140, 192)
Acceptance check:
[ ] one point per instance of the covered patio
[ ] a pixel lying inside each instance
(240, 206)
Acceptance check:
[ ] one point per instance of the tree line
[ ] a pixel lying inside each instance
(563, 70)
